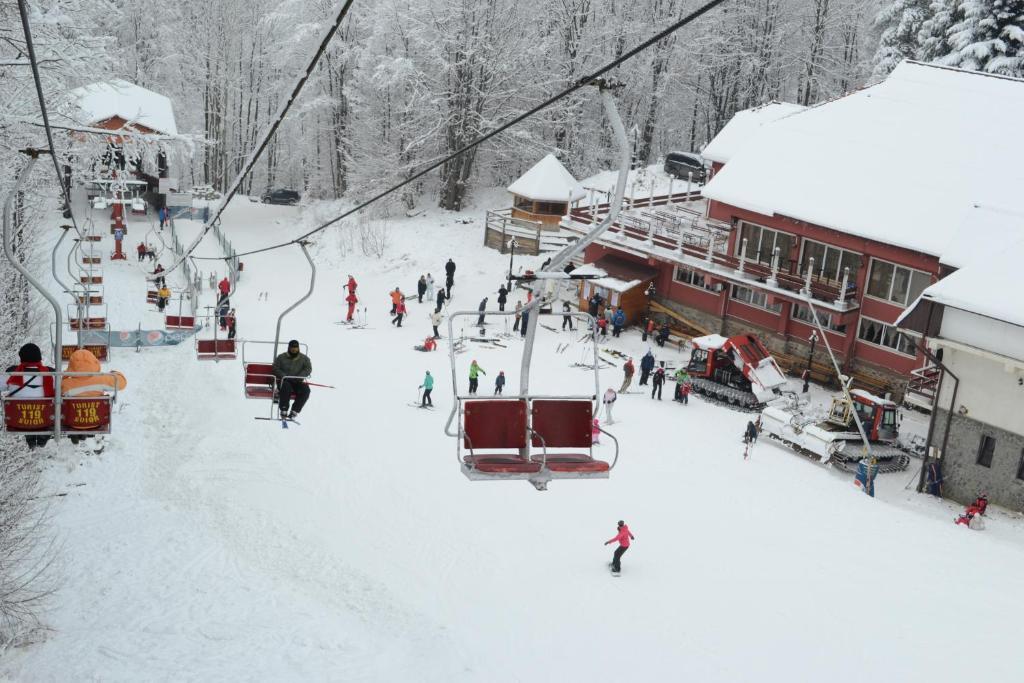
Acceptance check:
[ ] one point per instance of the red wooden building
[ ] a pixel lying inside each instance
(863, 202)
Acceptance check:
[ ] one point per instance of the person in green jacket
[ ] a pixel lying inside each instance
(291, 370)
(681, 377)
(427, 387)
(474, 375)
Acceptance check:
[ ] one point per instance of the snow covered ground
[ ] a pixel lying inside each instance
(205, 545)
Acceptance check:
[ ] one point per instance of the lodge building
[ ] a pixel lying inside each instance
(860, 203)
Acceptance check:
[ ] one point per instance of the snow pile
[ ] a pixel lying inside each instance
(743, 127)
(548, 181)
(898, 162)
(101, 101)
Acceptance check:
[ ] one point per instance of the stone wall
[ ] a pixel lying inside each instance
(963, 478)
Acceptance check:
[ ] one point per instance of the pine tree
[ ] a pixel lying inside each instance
(990, 37)
(900, 23)
(934, 35)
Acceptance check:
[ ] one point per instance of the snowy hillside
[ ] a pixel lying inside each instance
(202, 544)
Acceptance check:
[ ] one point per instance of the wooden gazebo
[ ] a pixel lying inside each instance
(543, 194)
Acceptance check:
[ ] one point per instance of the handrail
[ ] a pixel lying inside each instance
(616, 459)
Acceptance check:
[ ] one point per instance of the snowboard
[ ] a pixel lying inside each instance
(614, 573)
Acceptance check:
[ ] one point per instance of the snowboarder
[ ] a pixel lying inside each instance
(519, 314)
(396, 296)
(628, 370)
(482, 307)
(663, 334)
(427, 386)
(399, 312)
(648, 329)
(441, 296)
(449, 280)
(351, 300)
(291, 369)
(435, 320)
(646, 366)
(566, 318)
(608, 400)
(624, 537)
(17, 385)
(502, 297)
(750, 433)
(421, 289)
(430, 287)
(499, 383)
(658, 381)
(474, 376)
(618, 321)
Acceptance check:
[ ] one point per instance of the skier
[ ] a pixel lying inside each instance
(158, 279)
(17, 385)
(750, 433)
(618, 320)
(428, 345)
(351, 300)
(435, 320)
(499, 383)
(502, 297)
(602, 326)
(684, 391)
(646, 366)
(609, 399)
(628, 369)
(224, 286)
(399, 313)
(474, 376)
(427, 386)
(396, 296)
(231, 324)
(519, 314)
(648, 329)
(623, 537)
(663, 334)
(162, 213)
(141, 249)
(291, 368)
(449, 280)
(482, 307)
(421, 289)
(566, 318)
(351, 285)
(430, 287)
(806, 377)
(440, 299)
(595, 432)
(658, 381)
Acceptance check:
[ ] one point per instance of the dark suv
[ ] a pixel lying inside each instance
(289, 197)
(680, 164)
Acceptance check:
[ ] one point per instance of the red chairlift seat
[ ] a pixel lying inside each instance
(215, 349)
(567, 424)
(87, 323)
(180, 322)
(498, 425)
(80, 416)
(151, 296)
(259, 380)
(91, 279)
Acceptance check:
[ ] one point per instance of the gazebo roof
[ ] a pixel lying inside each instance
(548, 181)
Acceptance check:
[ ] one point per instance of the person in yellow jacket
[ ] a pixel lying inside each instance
(163, 295)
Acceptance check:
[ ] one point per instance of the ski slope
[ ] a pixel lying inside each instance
(202, 544)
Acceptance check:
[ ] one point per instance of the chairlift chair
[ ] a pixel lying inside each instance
(79, 415)
(215, 349)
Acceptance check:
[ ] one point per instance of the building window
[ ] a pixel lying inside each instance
(761, 243)
(828, 320)
(986, 450)
(550, 208)
(829, 262)
(881, 334)
(1020, 465)
(754, 297)
(523, 204)
(895, 283)
(691, 277)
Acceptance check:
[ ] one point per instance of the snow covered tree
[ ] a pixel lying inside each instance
(933, 39)
(900, 23)
(989, 37)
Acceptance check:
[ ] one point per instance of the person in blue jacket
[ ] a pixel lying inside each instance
(646, 366)
(618, 321)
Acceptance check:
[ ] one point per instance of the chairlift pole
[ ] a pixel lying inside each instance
(23, 175)
(312, 283)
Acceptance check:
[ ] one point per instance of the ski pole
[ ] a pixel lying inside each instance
(314, 384)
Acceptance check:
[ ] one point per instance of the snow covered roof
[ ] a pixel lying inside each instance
(617, 274)
(547, 181)
(101, 101)
(709, 342)
(744, 126)
(898, 162)
(986, 286)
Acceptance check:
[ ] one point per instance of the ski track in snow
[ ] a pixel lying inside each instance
(207, 545)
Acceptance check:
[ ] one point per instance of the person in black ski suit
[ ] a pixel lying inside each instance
(646, 365)
(449, 271)
(482, 307)
(566, 318)
(657, 381)
(524, 323)
(663, 334)
(421, 289)
(502, 297)
(440, 299)
(751, 432)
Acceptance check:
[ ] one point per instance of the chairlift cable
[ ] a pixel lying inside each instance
(586, 80)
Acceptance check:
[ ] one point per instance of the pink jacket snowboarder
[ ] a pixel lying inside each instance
(623, 537)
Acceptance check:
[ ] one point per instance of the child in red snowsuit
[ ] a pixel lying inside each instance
(623, 537)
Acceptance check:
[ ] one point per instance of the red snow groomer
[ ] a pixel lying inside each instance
(738, 370)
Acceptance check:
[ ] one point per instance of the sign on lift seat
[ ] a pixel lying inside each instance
(84, 415)
(90, 414)
(101, 351)
(259, 380)
(28, 415)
